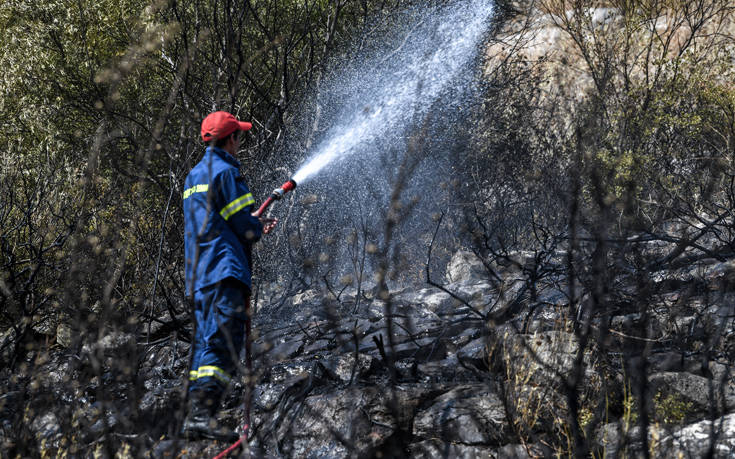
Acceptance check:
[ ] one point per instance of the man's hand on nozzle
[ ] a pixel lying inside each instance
(268, 224)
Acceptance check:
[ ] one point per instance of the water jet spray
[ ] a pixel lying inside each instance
(379, 101)
(429, 62)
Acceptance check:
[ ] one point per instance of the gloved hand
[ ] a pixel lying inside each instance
(268, 224)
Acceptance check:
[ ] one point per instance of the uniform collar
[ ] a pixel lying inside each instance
(224, 155)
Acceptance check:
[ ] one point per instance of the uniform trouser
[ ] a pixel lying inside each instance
(221, 318)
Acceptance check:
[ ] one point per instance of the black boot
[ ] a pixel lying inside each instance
(201, 421)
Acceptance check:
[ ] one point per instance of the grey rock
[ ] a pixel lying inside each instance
(656, 323)
(168, 449)
(723, 312)
(376, 310)
(55, 374)
(694, 440)
(608, 440)
(64, 334)
(157, 357)
(721, 372)
(165, 449)
(306, 297)
(536, 407)
(406, 369)
(113, 342)
(464, 265)
(542, 325)
(553, 295)
(368, 291)
(367, 344)
(108, 422)
(285, 371)
(541, 356)
(285, 350)
(610, 444)
(524, 451)
(266, 396)
(476, 293)
(407, 399)
(413, 311)
(46, 428)
(316, 347)
(674, 361)
(6, 442)
(421, 349)
(45, 326)
(474, 354)
(708, 269)
(453, 307)
(463, 333)
(6, 337)
(445, 371)
(547, 311)
(722, 375)
(10, 402)
(150, 400)
(359, 327)
(431, 299)
(693, 390)
(348, 369)
(469, 414)
(404, 346)
(278, 335)
(437, 448)
(358, 415)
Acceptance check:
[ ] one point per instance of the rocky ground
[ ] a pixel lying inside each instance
(481, 371)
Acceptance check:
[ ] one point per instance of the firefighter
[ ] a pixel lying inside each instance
(219, 233)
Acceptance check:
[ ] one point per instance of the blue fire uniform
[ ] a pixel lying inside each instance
(219, 231)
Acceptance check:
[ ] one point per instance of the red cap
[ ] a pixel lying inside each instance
(218, 125)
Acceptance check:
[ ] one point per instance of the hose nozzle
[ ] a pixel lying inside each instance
(285, 188)
(275, 196)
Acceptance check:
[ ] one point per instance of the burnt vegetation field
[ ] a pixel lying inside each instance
(546, 269)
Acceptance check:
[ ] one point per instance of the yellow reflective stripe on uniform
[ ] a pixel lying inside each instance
(212, 371)
(237, 205)
(196, 189)
(192, 375)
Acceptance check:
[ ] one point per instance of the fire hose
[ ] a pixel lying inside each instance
(243, 440)
(276, 195)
